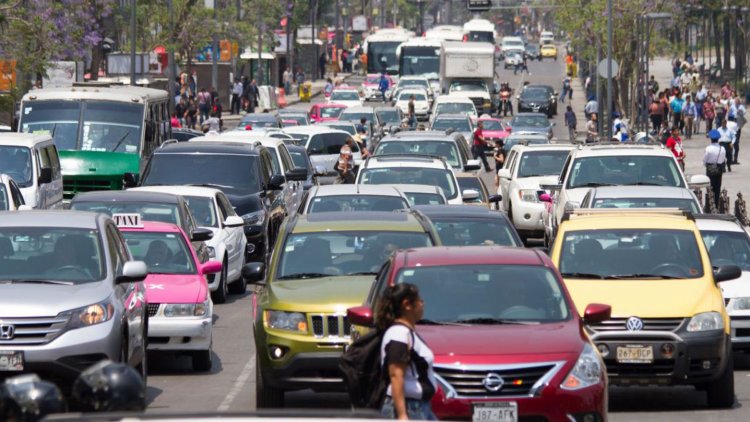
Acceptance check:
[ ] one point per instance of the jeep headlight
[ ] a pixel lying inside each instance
(211, 252)
(739, 304)
(706, 321)
(528, 195)
(93, 314)
(289, 321)
(254, 218)
(172, 310)
(587, 371)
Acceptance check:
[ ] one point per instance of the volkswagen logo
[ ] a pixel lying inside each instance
(493, 382)
(7, 332)
(634, 324)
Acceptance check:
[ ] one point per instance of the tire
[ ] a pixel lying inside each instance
(266, 396)
(720, 392)
(221, 293)
(238, 287)
(143, 366)
(202, 360)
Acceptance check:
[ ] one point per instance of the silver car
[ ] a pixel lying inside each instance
(70, 295)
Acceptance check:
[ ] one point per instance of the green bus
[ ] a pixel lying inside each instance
(101, 131)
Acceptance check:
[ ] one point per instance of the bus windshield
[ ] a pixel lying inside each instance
(381, 56)
(419, 61)
(87, 125)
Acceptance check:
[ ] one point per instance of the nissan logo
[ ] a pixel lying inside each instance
(634, 324)
(7, 332)
(493, 382)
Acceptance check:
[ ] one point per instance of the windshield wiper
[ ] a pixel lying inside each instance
(210, 185)
(498, 321)
(644, 184)
(582, 275)
(653, 276)
(433, 322)
(117, 145)
(304, 275)
(57, 282)
(364, 273)
(593, 185)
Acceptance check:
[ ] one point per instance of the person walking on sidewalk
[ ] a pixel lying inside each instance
(322, 61)
(567, 89)
(286, 79)
(691, 114)
(727, 136)
(674, 144)
(477, 145)
(714, 159)
(204, 104)
(656, 114)
(570, 123)
(740, 117)
(236, 94)
(676, 106)
(709, 112)
(592, 129)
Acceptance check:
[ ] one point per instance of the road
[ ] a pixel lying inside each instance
(230, 386)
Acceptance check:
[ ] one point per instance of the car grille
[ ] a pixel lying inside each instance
(649, 324)
(31, 331)
(330, 326)
(517, 380)
(72, 186)
(659, 368)
(153, 308)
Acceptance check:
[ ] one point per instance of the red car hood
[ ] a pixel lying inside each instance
(176, 288)
(502, 343)
(501, 134)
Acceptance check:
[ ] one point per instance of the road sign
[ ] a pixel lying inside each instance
(603, 68)
(479, 5)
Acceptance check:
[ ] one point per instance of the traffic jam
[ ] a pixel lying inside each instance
(421, 242)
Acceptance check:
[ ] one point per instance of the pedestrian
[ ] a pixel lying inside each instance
(345, 164)
(383, 85)
(236, 94)
(300, 78)
(674, 144)
(653, 85)
(174, 121)
(361, 129)
(328, 89)
(656, 114)
(204, 104)
(251, 94)
(714, 159)
(592, 129)
(676, 106)
(191, 113)
(567, 90)
(411, 113)
(406, 359)
(286, 79)
(179, 109)
(740, 118)
(363, 64)
(322, 61)
(709, 112)
(212, 125)
(591, 107)
(690, 114)
(477, 145)
(570, 123)
(727, 136)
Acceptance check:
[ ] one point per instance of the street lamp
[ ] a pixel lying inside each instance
(420, 4)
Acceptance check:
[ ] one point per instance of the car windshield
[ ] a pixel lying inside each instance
(727, 248)
(535, 93)
(259, 121)
(442, 178)
(446, 150)
(389, 117)
(488, 293)
(424, 198)
(4, 202)
(298, 118)
(530, 121)
(468, 86)
(35, 254)
(405, 83)
(481, 36)
(203, 210)
(329, 143)
(300, 137)
(356, 116)
(163, 253)
(513, 44)
(406, 96)
(223, 170)
(473, 183)
(625, 170)
(149, 211)
(16, 163)
(105, 126)
(330, 112)
(456, 108)
(492, 125)
(460, 125)
(356, 203)
(344, 96)
(320, 254)
(630, 253)
(474, 231)
(541, 163)
(299, 159)
(683, 204)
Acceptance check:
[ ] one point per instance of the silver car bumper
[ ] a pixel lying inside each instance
(179, 333)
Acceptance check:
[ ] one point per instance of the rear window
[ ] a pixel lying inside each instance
(329, 143)
(225, 171)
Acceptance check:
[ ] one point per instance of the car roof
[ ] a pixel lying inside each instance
(23, 139)
(243, 137)
(469, 255)
(262, 117)
(312, 130)
(541, 147)
(405, 160)
(354, 189)
(468, 211)
(179, 190)
(123, 93)
(389, 108)
(52, 218)
(632, 218)
(127, 196)
(621, 149)
(527, 135)
(207, 147)
(719, 222)
(154, 227)
(335, 105)
(359, 109)
(642, 192)
(530, 114)
(414, 188)
(457, 116)
(366, 221)
(453, 99)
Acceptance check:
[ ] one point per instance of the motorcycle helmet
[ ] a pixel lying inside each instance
(109, 387)
(28, 398)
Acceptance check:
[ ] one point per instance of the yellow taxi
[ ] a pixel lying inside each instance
(549, 51)
(669, 325)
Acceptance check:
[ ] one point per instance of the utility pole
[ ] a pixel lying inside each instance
(171, 70)
(314, 39)
(215, 50)
(132, 42)
(609, 70)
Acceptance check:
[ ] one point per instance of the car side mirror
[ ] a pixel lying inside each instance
(597, 312)
(361, 315)
(699, 181)
(45, 176)
(211, 267)
(470, 195)
(297, 174)
(25, 207)
(503, 173)
(320, 171)
(132, 272)
(253, 272)
(570, 206)
(234, 221)
(277, 182)
(550, 183)
(545, 197)
(726, 273)
(129, 180)
(472, 165)
(202, 234)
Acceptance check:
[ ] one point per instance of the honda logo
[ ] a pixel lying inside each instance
(7, 332)
(493, 382)
(634, 324)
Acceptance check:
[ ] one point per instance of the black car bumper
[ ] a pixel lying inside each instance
(547, 109)
(319, 371)
(256, 243)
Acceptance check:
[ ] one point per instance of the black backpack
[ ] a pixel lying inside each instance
(363, 374)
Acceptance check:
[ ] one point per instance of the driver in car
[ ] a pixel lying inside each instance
(158, 254)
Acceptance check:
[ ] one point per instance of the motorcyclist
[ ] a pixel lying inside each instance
(28, 398)
(109, 387)
(505, 99)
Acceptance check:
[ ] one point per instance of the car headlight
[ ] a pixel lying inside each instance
(739, 304)
(211, 252)
(201, 309)
(93, 314)
(281, 320)
(172, 310)
(706, 321)
(587, 371)
(254, 218)
(528, 195)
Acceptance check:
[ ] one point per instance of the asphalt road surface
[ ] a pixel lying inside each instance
(230, 386)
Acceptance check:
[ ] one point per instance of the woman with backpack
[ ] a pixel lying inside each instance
(405, 357)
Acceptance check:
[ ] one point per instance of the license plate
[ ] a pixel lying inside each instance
(635, 354)
(11, 360)
(506, 411)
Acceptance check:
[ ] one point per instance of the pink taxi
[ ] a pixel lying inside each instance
(494, 129)
(180, 310)
(371, 86)
(325, 112)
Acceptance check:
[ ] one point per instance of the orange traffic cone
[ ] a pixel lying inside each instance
(281, 97)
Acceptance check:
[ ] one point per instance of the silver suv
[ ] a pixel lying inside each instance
(70, 295)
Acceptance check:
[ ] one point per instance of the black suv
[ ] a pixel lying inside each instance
(538, 99)
(244, 172)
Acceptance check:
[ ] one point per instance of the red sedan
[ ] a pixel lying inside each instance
(508, 342)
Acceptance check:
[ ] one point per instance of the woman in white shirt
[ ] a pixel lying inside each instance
(407, 360)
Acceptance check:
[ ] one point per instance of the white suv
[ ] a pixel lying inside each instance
(610, 165)
(411, 169)
(518, 183)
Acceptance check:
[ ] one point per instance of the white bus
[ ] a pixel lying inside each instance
(381, 47)
(445, 33)
(420, 57)
(480, 30)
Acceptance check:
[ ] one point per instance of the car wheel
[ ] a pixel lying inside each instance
(202, 360)
(720, 392)
(220, 295)
(143, 366)
(265, 395)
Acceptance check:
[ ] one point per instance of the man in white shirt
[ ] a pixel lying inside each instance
(714, 156)
(727, 134)
(591, 107)
(236, 94)
(740, 118)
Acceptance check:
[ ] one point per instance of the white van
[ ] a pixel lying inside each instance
(512, 44)
(546, 37)
(33, 163)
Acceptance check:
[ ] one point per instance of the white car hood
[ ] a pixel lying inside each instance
(529, 182)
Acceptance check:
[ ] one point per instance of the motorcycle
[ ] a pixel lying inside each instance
(505, 104)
